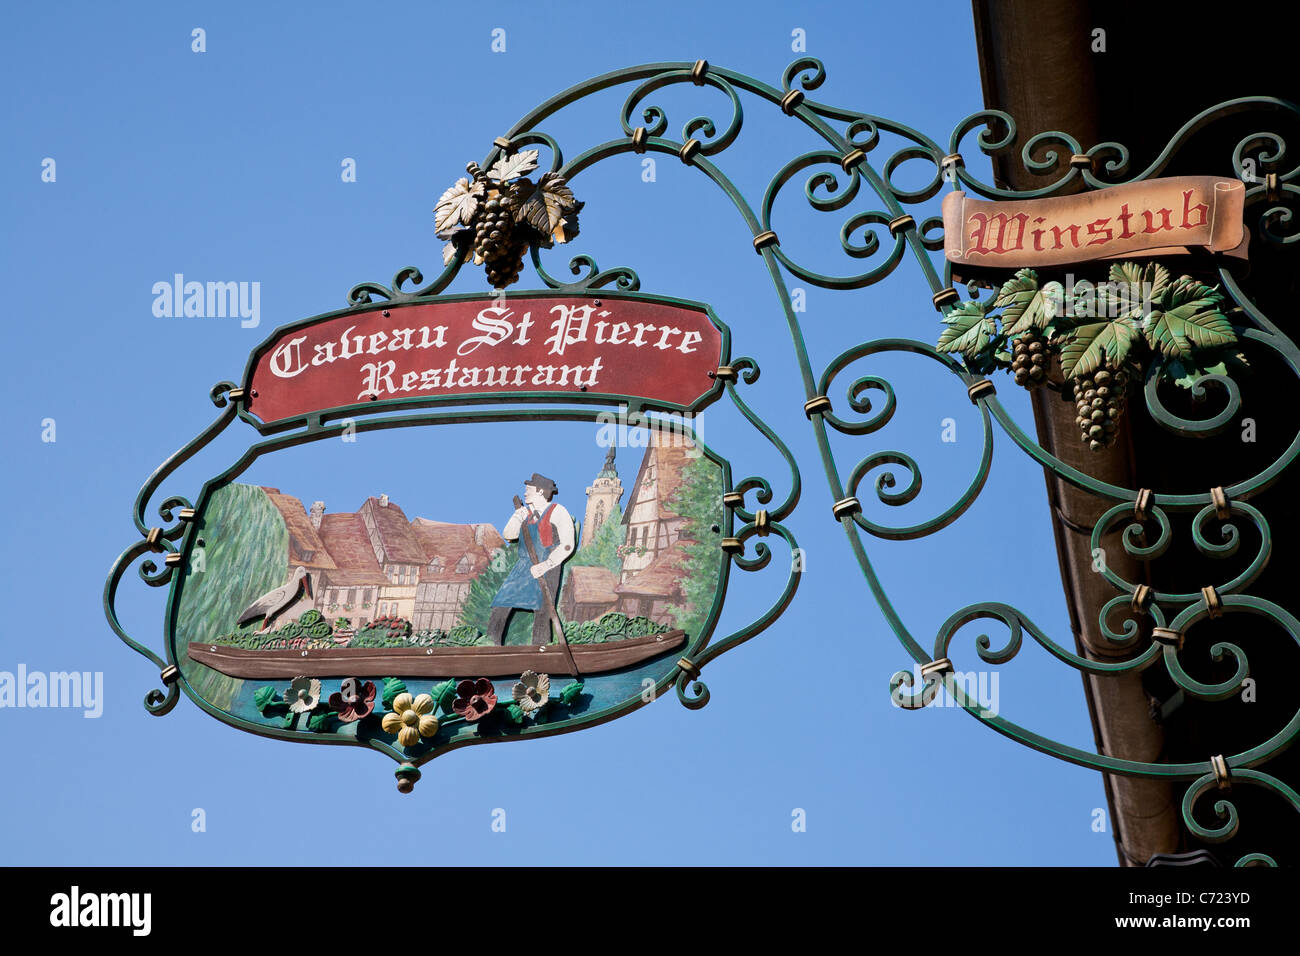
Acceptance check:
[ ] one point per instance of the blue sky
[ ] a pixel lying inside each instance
(225, 166)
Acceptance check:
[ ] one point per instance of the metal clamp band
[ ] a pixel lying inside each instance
(698, 70)
(1081, 161)
(848, 159)
(688, 666)
(1272, 187)
(952, 159)
(235, 394)
(732, 545)
(935, 667)
(790, 102)
(1141, 598)
(816, 406)
(846, 506)
(153, 539)
(761, 522)
(185, 514)
(1222, 775)
(944, 297)
(1142, 503)
(898, 225)
(724, 373)
(172, 560)
(765, 239)
(502, 143)
(1220, 499)
(688, 150)
(1213, 603)
(733, 499)
(979, 389)
(638, 139)
(1167, 637)
(170, 674)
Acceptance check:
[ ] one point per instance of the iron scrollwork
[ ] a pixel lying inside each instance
(847, 166)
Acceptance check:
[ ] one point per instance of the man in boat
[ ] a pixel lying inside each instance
(549, 527)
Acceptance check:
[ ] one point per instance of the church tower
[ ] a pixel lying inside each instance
(602, 499)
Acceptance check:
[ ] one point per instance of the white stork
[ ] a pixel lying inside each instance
(274, 602)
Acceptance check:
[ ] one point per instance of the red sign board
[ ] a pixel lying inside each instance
(538, 346)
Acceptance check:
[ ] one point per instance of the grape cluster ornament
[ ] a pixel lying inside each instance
(1096, 338)
(499, 214)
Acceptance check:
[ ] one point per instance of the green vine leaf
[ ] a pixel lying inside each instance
(1026, 306)
(263, 698)
(969, 330)
(1088, 346)
(444, 695)
(1184, 372)
(392, 688)
(571, 693)
(1189, 316)
(321, 721)
(1132, 289)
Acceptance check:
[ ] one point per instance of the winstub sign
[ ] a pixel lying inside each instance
(1153, 218)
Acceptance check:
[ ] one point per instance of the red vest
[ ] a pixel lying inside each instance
(546, 531)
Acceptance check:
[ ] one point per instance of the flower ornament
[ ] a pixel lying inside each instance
(474, 699)
(354, 701)
(532, 691)
(303, 694)
(411, 719)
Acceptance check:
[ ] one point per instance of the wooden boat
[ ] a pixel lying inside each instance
(458, 662)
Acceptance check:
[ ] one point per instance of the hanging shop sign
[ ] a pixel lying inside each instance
(557, 548)
(507, 594)
(1158, 217)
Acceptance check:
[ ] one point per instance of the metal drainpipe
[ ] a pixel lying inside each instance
(1016, 39)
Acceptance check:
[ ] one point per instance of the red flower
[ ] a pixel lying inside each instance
(474, 699)
(359, 701)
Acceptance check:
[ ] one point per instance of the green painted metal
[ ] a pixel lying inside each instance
(845, 174)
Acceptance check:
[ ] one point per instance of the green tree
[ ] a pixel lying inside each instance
(602, 550)
(699, 500)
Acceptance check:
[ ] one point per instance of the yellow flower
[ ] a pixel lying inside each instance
(411, 719)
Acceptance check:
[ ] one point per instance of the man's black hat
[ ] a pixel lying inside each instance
(542, 484)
